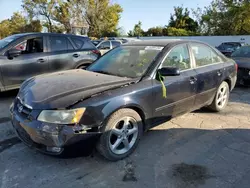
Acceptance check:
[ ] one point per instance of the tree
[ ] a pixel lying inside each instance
(62, 14)
(5, 28)
(155, 31)
(17, 23)
(181, 20)
(137, 31)
(33, 26)
(102, 17)
(225, 17)
(41, 8)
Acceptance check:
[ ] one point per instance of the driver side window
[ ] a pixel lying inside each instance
(33, 45)
(178, 57)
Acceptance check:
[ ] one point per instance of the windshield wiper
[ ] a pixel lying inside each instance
(103, 72)
(108, 73)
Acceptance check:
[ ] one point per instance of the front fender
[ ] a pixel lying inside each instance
(95, 115)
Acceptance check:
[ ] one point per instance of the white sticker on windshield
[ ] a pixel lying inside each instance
(154, 48)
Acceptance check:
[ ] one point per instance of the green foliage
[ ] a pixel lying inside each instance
(102, 17)
(137, 31)
(225, 17)
(181, 20)
(41, 8)
(18, 24)
(155, 31)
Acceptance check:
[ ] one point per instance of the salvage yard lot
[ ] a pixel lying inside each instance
(199, 149)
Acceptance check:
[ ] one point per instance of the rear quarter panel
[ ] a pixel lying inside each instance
(230, 73)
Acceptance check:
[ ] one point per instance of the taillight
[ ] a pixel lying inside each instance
(236, 67)
(97, 52)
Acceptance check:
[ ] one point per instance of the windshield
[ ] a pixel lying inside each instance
(5, 41)
(228, 46)
(242, 52)
(126, 61)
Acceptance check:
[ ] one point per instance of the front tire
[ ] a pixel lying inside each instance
(121, 134)
(221, 98)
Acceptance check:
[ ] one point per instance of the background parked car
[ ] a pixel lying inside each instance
(30, 54)
(227, 48)
(105, 45)
(242, 58)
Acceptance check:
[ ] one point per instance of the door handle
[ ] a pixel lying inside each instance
(76, 55)
(40, 61)
(192, 80)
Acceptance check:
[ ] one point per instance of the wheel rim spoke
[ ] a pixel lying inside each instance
(117, 132)
(117, 143)
(132, 131)
(126, 143)
(126, 123)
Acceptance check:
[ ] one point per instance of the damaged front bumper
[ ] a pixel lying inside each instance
(46, 137)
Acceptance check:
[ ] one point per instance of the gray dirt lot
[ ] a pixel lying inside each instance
(199, 149)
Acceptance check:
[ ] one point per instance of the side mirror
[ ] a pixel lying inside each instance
(169, 71)
(14, 52)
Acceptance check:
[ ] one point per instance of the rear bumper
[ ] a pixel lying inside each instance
(48, 138)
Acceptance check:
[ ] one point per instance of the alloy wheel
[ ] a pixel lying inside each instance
(222, 96)
(123, 135)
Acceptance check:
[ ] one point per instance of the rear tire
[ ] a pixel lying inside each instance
(121, 134)
(221, 98)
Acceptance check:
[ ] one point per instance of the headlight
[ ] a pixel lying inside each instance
(61, 116)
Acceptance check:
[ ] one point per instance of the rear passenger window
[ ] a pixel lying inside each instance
(70, 47)
(58, 44)
(78, 43)
(178, 57)
(204, 55)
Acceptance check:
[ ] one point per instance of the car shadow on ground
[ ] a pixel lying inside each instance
(8, 94)
(175, 157)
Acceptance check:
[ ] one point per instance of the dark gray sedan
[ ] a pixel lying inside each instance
(29, 54)
(242, 58)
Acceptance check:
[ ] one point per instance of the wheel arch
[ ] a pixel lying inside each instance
(229, 82)
(82, 63)
(137, 108)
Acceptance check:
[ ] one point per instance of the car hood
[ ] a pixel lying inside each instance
(62, 89)
(242, 62)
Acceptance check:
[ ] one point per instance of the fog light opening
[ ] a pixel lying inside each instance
(54, 149)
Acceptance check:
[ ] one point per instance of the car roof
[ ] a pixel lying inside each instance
(48, 34)
(158, 42)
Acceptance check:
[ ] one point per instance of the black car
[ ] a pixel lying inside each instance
(26, 55)
(227, 48)
(129, 90)
(242, 58)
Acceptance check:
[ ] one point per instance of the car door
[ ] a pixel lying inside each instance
(104, 47)
(31, 61)
(209, 68)
(85, 52)
(180, 90)
(60, 53)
